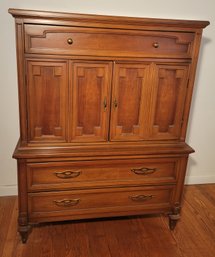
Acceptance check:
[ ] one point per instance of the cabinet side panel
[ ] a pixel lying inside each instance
(21, 80)
(195, 55)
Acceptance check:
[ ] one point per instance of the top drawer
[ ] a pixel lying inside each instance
(68, 175)
(45, 39)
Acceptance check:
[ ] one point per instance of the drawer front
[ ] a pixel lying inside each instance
(100, 201)
(64, 175)
(105, 42)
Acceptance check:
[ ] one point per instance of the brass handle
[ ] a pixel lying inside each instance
(69, 41)
(115, 104)
(141, 198)
(66, 202)
(67, 174)
(143, 171)
(155, 44)
(105, 104)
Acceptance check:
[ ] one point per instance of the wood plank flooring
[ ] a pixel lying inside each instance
(147, 236)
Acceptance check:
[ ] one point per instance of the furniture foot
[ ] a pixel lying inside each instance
(24, 232)
(174, 217)
(173, 221)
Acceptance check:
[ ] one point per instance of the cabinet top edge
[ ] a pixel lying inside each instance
(97, 150)
(106, 19)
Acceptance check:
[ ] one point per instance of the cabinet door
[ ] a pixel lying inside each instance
(129, 102)
(47, 89)
(90, 101)
(168, 99)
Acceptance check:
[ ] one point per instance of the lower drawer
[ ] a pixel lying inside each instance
(80, 204)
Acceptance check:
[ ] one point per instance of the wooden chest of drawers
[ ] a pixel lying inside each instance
(104, 106)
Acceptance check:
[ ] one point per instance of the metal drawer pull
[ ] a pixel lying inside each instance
(67, 174)
(141, 198)
(69, 41)
(66, 202)
(155, 44)
(143, 171)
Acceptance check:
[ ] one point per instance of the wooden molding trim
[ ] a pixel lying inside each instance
(106, 19)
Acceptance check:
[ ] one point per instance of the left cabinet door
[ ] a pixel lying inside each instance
(47, 101)
(90, 87)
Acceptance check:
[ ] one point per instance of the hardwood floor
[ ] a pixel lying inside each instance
(147, 236)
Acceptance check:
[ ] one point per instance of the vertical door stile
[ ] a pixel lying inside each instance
(152, 92)
(113, 65)
(70, 98)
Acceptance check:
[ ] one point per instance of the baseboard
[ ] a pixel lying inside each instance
(8, 190)
(193, 180)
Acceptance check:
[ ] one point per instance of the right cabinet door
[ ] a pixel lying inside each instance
(148, 101)
(167, 101)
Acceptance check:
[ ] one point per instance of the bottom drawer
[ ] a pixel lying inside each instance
(80, 204)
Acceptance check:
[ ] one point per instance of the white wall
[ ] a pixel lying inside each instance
(201, 132)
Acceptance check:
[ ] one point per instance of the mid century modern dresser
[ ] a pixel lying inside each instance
(104, 104)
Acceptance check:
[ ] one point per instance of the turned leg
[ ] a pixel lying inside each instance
(23, 227)
(23, 224)
(174, 217)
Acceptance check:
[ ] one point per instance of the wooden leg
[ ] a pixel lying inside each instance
(174, 217)
(23, 227)
(24, 231)
(23, 224)
(173, 221)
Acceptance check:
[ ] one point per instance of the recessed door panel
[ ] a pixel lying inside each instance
(47, 87)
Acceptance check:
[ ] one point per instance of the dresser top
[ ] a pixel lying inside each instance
(104, 20)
